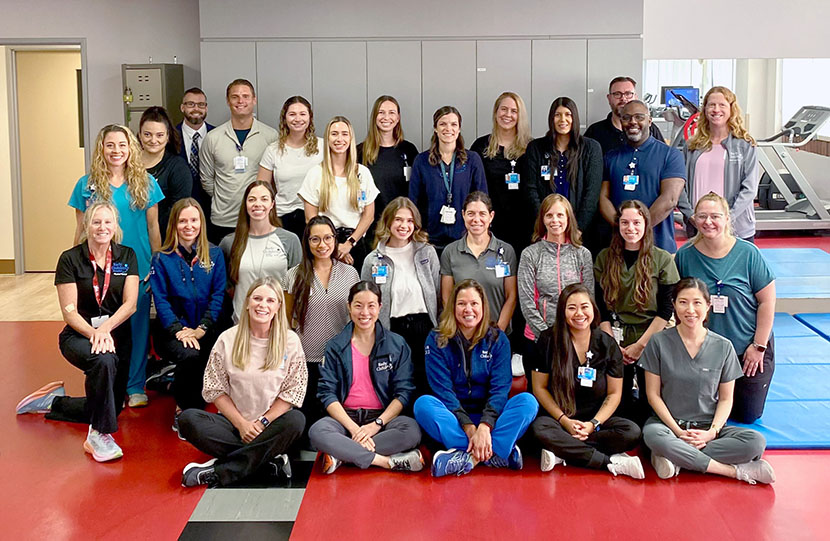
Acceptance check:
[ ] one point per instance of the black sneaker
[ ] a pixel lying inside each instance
(281, 466)
(195, 474)
(161, 379)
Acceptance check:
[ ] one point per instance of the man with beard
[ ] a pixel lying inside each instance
(608, 132)
(192, 131)
(644, 169)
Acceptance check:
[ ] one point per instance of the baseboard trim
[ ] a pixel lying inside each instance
(6, 266)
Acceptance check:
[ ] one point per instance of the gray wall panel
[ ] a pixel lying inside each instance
(283, 70)
(222, 62)
(394, 68)
(339, 83)
(449, 78)
(608, 58)
(559, 69)
(502, 65)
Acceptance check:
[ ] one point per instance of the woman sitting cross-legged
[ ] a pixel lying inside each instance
(578, 382)
(256, 376)
(468, 368)
(366, 380)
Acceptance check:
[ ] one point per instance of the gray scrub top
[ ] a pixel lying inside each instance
(688, 386)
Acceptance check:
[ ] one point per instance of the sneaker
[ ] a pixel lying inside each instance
(40, 401)
(516, 366)
(757, 471)
(451, 461)
(138, 400)
(514, 460)
(408, 461)
(281, 466)
(665, 468)
(550, 460)
(102, 447)
(330, 463)
(623, 464)
(195, 474)
(162, 375)
(176, 424)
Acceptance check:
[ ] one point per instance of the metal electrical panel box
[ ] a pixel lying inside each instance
(148, 85)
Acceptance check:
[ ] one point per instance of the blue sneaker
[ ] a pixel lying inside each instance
(451, 461)
(40, 401)
(514, 461)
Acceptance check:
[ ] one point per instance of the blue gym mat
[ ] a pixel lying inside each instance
(797, 412)
(817, 322)
(784, 255)
(800, 273)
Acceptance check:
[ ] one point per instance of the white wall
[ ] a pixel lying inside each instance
(735, 29)
(6, 237)
(117, 32)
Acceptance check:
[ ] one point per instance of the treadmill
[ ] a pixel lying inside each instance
(806, 210)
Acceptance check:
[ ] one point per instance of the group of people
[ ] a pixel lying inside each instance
(357, 295)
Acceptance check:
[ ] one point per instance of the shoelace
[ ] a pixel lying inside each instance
(459, 461)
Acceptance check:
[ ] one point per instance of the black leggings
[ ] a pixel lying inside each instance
(751, 392)
(414, 329)
(190, 367)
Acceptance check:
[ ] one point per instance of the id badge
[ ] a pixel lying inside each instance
(512, 180)
(240, 163)
(618, 334)
(361, 199)
(407, 172)
(630, 182)
(380, 273)
(447, 215)
(502, 270)
(98, 321)
(587, 376)
(545, 172)
(720, 303)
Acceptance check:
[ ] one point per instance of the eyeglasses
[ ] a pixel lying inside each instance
(199, 104)
(639, 117)
(617, 95)
(328, 239)
(715, 217)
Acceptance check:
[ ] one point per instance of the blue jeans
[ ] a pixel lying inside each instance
(440, 423)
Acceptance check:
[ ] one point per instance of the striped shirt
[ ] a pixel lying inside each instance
(328, 309)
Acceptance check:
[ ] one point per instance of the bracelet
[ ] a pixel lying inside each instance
(558, 418)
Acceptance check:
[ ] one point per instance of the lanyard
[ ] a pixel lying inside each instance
(719, 286)
(99, 293)
(633, 164)
(448, 178)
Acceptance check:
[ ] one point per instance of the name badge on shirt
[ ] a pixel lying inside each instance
(512, 180)
(618, 333)
(240, 163)
(407, 172)
(587, 376)
(720, 303)
(545, 172)
(447, 215)
(380, 273)
(502, 270)
(630, 182)
(98, 321)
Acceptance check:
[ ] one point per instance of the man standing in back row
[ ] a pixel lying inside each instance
(609, 132)
(192, 132)
(229, 158)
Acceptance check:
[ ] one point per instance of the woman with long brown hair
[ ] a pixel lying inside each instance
(634, 281)
(578, 382)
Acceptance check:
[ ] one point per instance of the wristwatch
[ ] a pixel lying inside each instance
(351, 240)
(759, 347)
(379, 422)
(596, 424)
(265, 422)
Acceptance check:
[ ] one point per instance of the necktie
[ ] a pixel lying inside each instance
(194, 156)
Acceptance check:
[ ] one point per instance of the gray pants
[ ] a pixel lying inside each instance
(732, 446)
(329, 436)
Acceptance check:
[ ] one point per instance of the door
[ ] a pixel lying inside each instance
(51, 158)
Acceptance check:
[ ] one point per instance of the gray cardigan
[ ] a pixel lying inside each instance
(426, 267)
(740, 182)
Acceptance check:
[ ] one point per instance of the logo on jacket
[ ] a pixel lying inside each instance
(384, 366)
(486, 355)
(120, 269)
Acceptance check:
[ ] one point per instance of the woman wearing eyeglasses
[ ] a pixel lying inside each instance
(743, 299)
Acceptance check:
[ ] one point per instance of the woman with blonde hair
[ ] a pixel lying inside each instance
(256, 378)
(385, 152)
(118, 176)
(286, 161)
(468, 367)
(97, 283)
(743, 299)
(721, 158)
(188, 282)
(343, 190)
(502, 152)
(404, 266)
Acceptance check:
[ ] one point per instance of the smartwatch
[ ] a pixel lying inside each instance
(759, 347)
(351, 240)
(379, 422)
(265, 422)
(596, 424)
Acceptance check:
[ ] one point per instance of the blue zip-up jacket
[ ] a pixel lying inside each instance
(484, 390)
(185, 295)
(390, 367)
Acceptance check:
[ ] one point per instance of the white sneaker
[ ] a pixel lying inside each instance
(101, 446)
(665, 468)
(550, 460)
(759, 471)
(330, 463)
(623, 464)
(516, 365)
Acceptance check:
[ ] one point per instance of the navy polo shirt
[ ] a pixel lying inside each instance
(653, 161)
